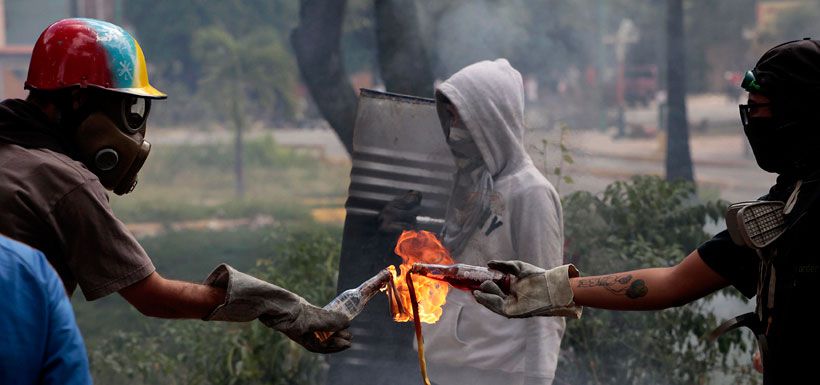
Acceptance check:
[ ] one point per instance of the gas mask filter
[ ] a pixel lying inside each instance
(755, 224)
(111, 140)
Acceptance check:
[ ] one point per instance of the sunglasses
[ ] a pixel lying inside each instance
(746, 111)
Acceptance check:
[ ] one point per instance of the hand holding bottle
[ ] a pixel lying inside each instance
(250, 298)
(352, 301)
(533, 292)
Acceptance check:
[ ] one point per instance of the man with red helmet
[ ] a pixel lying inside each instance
(81, 131)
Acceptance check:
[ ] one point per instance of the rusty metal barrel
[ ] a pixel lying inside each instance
(398, 145)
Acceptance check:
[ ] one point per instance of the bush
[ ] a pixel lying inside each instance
(645, 222)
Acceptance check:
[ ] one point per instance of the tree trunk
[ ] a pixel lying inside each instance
(403, 62)
(316, 43)
(678, 158)
(238, 118)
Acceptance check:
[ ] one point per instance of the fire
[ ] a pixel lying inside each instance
(420, 246)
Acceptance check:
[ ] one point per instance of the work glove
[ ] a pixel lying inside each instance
(248, 298)
(400, 213)
(533, 292)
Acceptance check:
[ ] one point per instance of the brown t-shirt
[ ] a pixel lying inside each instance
(55, 204)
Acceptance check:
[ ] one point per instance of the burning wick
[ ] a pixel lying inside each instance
(417, 323)
(419, 247)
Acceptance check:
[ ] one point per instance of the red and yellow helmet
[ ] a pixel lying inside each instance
(89, 53)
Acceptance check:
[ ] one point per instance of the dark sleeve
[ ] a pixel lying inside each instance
(66, 360)
(737, 264)
(101, 253)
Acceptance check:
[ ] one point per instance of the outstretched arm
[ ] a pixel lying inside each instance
(649, 289)
(156, 296)
(230, 295)
(560, 291)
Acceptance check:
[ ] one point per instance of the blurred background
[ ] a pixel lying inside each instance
(250, 163)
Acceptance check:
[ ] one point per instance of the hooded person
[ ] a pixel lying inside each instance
(500, 205)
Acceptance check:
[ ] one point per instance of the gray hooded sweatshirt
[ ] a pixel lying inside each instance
(470, 344)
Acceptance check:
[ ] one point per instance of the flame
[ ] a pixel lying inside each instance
(420, 246)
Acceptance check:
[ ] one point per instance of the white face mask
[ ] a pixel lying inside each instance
(464, 148)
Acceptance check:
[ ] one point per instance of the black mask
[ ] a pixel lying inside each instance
(767, 144)
(783, 147)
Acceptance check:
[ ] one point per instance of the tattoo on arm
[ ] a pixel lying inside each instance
(618, 284)
(637, 289)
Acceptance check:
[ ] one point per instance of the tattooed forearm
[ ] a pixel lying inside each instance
(617, 284)
(607, 281)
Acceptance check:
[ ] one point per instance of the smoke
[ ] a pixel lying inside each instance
(475, 31)
(536, 37)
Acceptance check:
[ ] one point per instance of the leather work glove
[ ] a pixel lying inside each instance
(533, 292)
(248, 298)
(400, 213)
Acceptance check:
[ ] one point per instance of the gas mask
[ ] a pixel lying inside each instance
(110, 139)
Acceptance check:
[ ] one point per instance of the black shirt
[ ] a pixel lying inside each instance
(737, 264)
(793, 331)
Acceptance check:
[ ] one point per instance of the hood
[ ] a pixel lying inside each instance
(24, 124)
(489, 97)
(791, 71)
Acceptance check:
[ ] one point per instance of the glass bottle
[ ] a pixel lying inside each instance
(352, 301)
(463, 276)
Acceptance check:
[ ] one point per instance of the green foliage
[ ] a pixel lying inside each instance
(645, 222)
(252, 73)
(168, 32)
(165, 28)
(565, 157)
(302, 259)
(255, 71)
